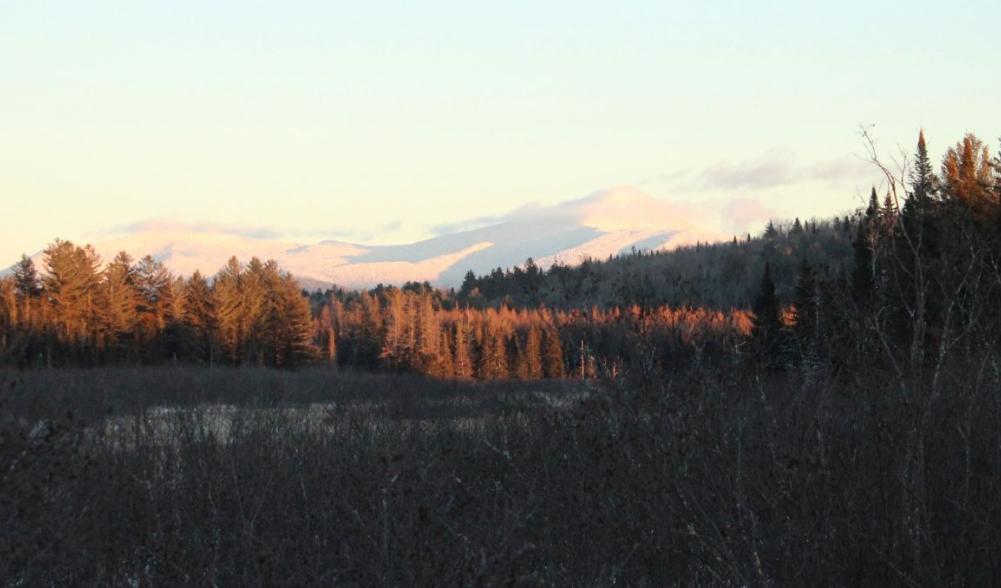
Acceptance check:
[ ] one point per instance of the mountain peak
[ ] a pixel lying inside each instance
(626, 207)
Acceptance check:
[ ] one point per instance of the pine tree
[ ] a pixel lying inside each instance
(873, 212)
(916, 255)
(26, 281)
(862, 281)
(26, 287)
(494, 352)
(766, 329)
(806, 306)
(443, 366)
(8, 317)
(122, 300)
(553, 366)
(770, 231)
(326, 334)
(516, 350)
(228, 303)
(427, 333)
(199, 316)
(468, 288)
(296, 346)
(918, 207)
(533, 352)
(463, 363)
(253, 311)
(397, 347)
(72, 285)
(154, 285)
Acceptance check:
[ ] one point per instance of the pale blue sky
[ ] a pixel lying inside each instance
(377, 121)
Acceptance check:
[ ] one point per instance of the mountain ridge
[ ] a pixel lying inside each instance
(604, 223)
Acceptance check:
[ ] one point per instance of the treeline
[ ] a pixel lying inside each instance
(75, 313)
(716, 275)
(418, 329)
(923, 287)
(900, 286)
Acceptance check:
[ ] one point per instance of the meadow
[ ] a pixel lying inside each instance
(251, 476)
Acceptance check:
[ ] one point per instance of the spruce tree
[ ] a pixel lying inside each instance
(916, 214)
(806, 306)
(26, 287)
(770, 231)
(916, 255)
(26, 281)
(766, 325)
(862, 280)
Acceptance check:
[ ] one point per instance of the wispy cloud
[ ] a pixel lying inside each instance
(253, 231)
(752, 176)
(149, 225)
(774, 170)
(464, 225)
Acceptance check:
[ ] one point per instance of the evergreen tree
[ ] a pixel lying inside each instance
(967, 175)
(494, 352)
(326, 334)
(918, 207)
(468, 287)
(463, 363)
(154, 286)
(427, 336)
(442, 366)
(553, 366)
(26, 288)
(72, 285)
(398, 344)
(863, 280)
(296, 346)
(916, 256)
(770, 231)
(766, 329)
(533, 352)
(199, 316)
(8, 320)
(26, 281)
(873, 211)
(122, 302)
(253, 311)
(806, 306)
(228, 303)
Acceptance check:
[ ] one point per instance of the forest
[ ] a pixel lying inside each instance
(905, 280)
(814, 405)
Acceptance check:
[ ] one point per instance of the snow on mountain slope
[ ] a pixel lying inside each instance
(605, 223)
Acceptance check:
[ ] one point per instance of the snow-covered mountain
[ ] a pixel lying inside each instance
(602, 224)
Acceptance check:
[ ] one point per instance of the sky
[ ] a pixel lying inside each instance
(379, 122)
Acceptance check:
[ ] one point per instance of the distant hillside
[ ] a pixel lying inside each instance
(720, 275)
(605, 223)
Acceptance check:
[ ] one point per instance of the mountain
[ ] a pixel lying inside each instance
(605, 223)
